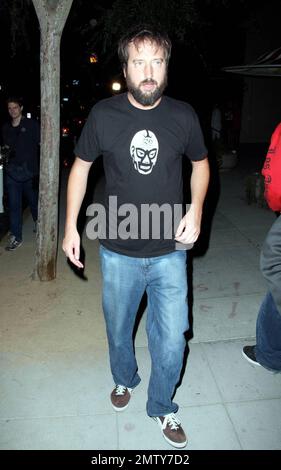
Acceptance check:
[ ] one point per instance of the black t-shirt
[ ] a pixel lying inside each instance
(142, 155)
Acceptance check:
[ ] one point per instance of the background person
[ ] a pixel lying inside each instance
(22, 137)
(267, 350)
(216, 122)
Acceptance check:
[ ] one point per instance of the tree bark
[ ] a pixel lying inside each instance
(52, 15)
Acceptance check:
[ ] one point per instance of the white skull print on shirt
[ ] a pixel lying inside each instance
(144, 150)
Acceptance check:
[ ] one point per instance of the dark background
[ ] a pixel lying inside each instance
(216, 39)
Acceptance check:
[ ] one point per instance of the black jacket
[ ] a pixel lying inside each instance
(23, 141)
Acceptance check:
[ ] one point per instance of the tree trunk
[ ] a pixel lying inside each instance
(52, 15)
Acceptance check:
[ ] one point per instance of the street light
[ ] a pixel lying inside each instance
(116, 86)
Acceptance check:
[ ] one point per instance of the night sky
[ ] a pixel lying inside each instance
(194, 72)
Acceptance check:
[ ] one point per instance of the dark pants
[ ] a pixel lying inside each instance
(16, 190)
(268, 347)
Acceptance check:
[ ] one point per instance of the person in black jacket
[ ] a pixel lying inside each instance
(21, 136)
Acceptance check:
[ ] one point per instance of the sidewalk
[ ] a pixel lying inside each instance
(3, 224)
(56, 380)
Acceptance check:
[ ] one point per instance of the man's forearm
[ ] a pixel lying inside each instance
(76, 188)
(189, 227)
(199, 183)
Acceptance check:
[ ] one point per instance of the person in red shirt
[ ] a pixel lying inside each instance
(267, 350)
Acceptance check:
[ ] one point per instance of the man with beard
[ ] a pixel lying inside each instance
(143, 136)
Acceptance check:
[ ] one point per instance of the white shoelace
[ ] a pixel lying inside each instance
(172, 421)
(121, 390)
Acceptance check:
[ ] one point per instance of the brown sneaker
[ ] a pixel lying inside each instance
(172, 430)
(120, 397)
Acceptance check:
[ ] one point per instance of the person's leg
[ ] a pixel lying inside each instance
(268, 333)
(123, 288)
(31, 195)
(167, 321)
(14, 189)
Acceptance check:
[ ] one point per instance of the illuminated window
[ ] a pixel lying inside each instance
(93, 58)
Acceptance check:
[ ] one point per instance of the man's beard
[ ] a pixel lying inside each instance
(146, 98)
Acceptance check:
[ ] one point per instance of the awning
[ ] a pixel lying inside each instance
(267, 65)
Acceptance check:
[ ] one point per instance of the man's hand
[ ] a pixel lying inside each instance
(189, 228)
(71, 246)
(76, 189)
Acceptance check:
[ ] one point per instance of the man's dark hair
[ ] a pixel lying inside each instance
(14, 99)
(140, 34)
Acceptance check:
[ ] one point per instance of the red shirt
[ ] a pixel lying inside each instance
(272, 171)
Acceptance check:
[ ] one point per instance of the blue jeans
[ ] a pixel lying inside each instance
(125, 279)
(268, 332)
(16, 190)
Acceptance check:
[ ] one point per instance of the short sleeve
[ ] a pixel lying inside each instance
(88, 147)
(195, 148)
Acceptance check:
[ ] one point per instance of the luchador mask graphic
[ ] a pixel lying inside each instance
(144, 150)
